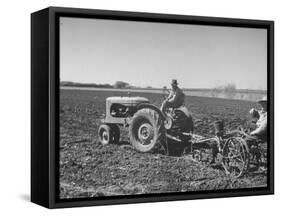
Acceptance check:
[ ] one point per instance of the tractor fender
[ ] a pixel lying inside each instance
(150, 106)
(184, 110)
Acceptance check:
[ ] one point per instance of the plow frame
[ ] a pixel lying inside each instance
(231, 146)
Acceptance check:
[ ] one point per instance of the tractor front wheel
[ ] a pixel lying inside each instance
(105, 134)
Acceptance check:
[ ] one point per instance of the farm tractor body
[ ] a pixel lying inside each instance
(119, 110)
(149, 127)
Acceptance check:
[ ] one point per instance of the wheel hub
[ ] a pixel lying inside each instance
(145, 133)
(104, 135)
(168, 122)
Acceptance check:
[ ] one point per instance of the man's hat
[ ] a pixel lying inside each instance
(264, 99)
(174, 82)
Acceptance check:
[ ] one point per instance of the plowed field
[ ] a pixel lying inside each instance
(88, 169)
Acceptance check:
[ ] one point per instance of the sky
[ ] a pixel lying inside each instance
(151, 54)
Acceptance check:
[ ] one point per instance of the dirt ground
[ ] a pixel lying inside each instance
(88, 169)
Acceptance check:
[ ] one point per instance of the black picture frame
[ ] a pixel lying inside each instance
(45, 105)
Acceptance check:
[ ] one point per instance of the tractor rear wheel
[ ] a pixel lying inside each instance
(145, 131)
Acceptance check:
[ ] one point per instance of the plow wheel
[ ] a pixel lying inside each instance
(235, 157)
(145, 131)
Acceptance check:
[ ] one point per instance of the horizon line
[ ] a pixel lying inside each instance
(160, 88)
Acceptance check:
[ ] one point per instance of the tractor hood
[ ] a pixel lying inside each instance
(127, 100)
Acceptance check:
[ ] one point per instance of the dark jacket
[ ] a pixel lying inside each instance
(176, 98)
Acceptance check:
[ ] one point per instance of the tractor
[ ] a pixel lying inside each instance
(149, 127)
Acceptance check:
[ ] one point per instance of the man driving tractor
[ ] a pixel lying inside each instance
(175, 98)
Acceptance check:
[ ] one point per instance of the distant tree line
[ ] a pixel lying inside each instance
(117, 84)
(121, 85)
(94, 85)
